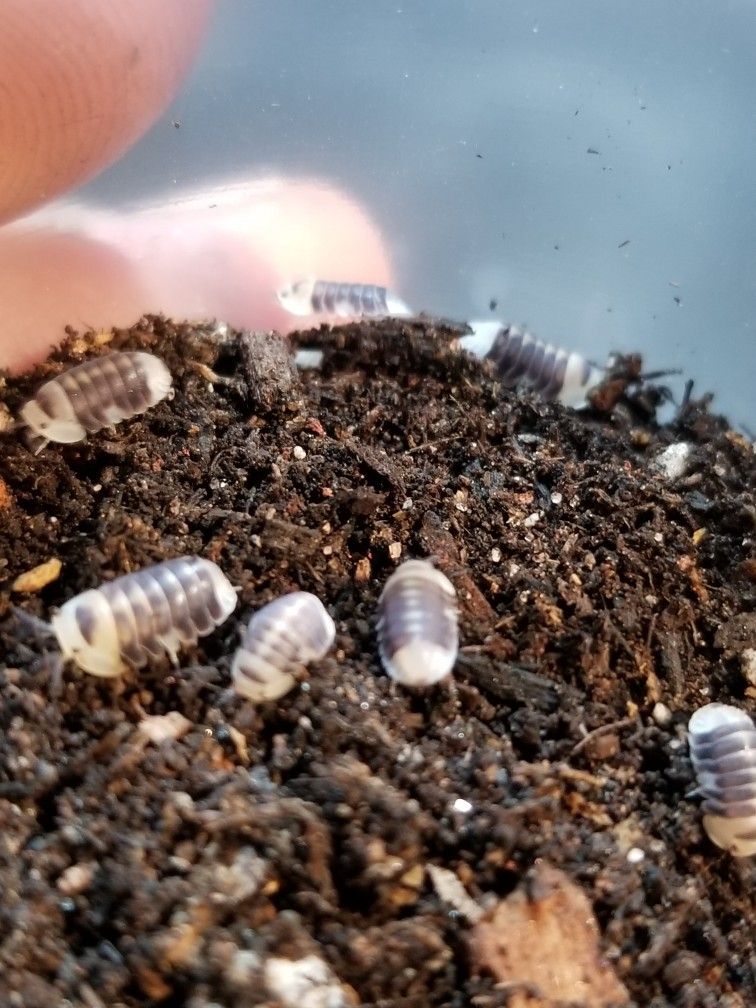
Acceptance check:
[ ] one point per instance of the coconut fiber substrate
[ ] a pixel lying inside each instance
(522, 834)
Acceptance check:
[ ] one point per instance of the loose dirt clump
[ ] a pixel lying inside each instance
(162, 842)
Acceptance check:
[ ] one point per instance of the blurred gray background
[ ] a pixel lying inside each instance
(589, 165)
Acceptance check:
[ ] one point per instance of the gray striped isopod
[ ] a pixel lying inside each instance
(96, 394)
(722, 741)
(280, 638)
(521, 359)
(344, 300)
(139, 616)
(417, 624)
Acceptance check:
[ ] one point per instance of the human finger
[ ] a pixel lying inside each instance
(80, 81)
(219, 253)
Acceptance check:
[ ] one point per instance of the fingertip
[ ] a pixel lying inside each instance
(80, 81)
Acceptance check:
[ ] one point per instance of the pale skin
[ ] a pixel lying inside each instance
(80, 83)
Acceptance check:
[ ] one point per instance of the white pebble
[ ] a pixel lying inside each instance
(303, 983)
(674, 461)
(299, 452)
(661, 714)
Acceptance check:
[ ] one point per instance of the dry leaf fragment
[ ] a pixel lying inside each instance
(544, 937)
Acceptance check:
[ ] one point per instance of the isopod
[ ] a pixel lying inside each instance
(280, 638)
(344, 300)
(521, 359)
(139, 616)
(96, 394)
(722, 741)
(417, 624)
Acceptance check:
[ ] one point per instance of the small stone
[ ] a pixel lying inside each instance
(395, 550)
(496, 554)
(686, 967)
(635, 855)
(76, 879)
(242, 969)
(303, 983)
(299, 453)
(532, 519)
(159, 728)
(661, 714)
(674, 461)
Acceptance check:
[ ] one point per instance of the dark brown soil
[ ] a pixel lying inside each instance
(591, 589)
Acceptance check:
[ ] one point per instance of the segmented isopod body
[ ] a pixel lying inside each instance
(722, 742)
(280, 638)
(417, 624)
(344, 300)
(141, 615)
(96, 394)
(521, 359)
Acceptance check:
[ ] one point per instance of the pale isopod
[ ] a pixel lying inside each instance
(280, 638)
(96, 394)
(344, 300)
(417, 624)
(141, 615)
(521, 359)
(722, 742)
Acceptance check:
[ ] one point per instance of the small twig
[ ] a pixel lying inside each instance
(601, 730)
(432, 444)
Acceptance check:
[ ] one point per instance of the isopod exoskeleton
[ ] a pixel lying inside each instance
(417, 624)
(96, 394)
(280, 638)
(141, 615)
(521, 359)
(344, 300)
(722, 741)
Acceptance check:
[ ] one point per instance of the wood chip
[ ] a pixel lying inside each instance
(6, 498)
(39, 577)
(544, 937)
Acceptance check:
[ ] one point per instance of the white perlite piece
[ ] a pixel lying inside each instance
(674, 461)
(304, 983)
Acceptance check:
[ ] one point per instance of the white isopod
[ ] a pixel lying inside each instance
(722, 741)
(96, 394)
(139, 616)
(344, 300)
(521, 359)
(417, 624)
(280, 638)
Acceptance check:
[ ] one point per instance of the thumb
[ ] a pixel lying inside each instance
(80, 81)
